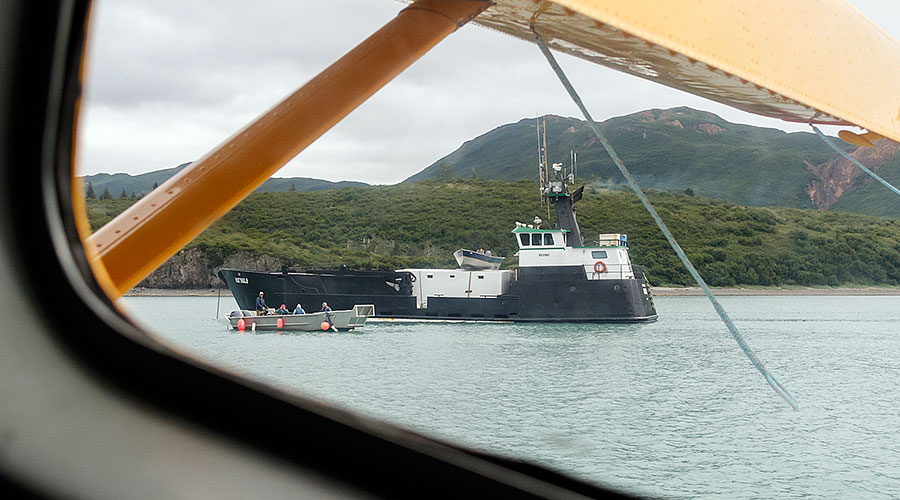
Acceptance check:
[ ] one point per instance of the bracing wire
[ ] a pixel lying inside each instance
(780, 389)
(853, 160)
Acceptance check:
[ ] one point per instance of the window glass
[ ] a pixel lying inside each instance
(598, 254)
(526, 240)
(536, 238)
(548, 239)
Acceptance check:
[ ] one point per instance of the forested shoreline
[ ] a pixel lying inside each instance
(421, 224)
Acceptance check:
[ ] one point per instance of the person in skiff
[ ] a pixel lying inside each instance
(299, 309)
(261, 306)
(282, 310)
(328, 318)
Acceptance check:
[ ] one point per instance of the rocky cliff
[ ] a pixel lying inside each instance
(839, 176)
(193, 268)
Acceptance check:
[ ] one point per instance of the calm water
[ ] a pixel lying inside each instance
(671, 409)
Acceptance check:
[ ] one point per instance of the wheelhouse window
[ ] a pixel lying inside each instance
(536, 239)
(598, 254)
(526, 240)
(548, 239)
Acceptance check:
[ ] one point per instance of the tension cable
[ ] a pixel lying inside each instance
(780, 389)
(853, 160)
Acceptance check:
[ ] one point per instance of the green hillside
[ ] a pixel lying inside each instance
(144, 183)
(673, 150)
(421, 224)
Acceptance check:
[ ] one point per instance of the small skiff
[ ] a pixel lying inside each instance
(340, 320)
(470, 260)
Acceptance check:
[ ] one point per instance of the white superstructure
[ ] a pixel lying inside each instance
(458, 283)
(537, 248)
(547, 247)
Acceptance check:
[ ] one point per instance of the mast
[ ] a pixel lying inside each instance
(555, 190)
(540, 152)
(574, 163)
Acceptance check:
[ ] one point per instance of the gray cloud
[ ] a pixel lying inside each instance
(167, 80)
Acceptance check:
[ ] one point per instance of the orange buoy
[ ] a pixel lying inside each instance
(279, 323)
(242, 325)
(325, 325)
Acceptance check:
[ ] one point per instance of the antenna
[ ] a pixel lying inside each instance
(543, 165)
(540, 149)
(546, 155)
(573, 163)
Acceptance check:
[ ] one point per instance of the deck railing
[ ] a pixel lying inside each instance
(613, 271)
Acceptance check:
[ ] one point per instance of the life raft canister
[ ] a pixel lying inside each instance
(599, 267)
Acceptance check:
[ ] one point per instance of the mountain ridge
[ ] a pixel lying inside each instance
(141, 184)
(677, 149)
(680, 149)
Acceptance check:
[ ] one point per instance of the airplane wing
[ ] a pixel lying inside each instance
(809, 61)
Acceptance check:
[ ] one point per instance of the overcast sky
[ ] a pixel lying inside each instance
(169, 79)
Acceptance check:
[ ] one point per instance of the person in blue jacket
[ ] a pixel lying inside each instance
(261, 307)
(299, 309)
(327, 310)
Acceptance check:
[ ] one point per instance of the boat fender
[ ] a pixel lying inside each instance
(325, 325)
(242, 325)
(279, 323)
(599, 267)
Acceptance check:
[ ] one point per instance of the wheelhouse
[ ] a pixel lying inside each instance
(608, 259)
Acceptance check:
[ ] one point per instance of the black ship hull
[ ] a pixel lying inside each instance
(544, 294)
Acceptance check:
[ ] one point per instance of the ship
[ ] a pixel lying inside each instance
(558, 278)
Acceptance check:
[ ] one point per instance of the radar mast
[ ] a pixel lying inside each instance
(555, 182)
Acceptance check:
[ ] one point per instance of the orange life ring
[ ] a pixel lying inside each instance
(599, 267)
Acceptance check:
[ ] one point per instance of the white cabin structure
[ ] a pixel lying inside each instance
(537, 248)
(547, 247)
(458, 283)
